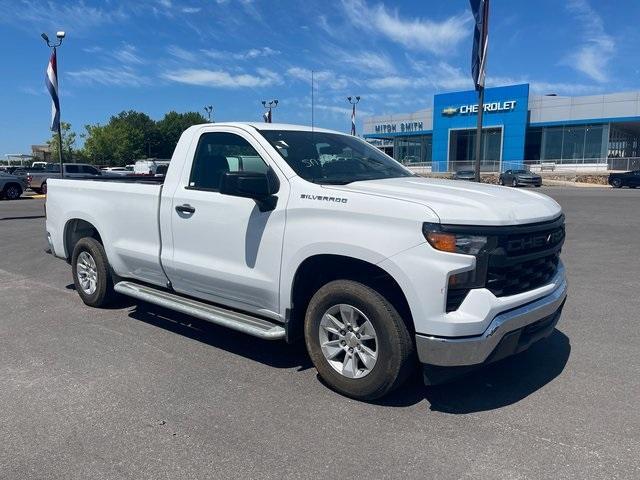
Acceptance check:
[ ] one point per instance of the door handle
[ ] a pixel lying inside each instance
(186, 208)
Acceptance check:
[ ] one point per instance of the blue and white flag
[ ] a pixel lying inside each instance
(353, 120)
(51, 81)
(480, 10)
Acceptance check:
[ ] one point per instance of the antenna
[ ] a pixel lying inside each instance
(312, 105)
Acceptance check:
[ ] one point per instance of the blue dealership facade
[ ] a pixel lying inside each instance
(518, 128)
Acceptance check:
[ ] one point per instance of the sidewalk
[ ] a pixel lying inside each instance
(565, 183)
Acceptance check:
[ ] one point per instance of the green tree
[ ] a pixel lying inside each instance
(171, 127)
(68, 142)
(127, 137)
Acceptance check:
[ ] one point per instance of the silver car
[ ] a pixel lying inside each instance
(11, 186)
(38, 178)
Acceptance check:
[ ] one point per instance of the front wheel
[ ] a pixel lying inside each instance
(357, 341)
(43, 189)
(514, 183)
(91, 273)
(616, 183)
(501, 181)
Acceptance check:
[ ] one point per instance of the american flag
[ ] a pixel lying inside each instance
(353, 120)
(480, 9)
(51, 81)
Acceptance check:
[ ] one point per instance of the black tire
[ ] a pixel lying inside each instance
(616, 183)
(501, 181)
(37, 190)
(12, 191)
(395, 348)
(43, 189)
(104, 293)
(514, 183)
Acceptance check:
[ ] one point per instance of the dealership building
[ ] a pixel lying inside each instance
(518, 128)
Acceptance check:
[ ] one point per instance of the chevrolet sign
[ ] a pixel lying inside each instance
(505, 106)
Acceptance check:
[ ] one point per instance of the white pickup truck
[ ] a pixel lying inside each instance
(284, 232)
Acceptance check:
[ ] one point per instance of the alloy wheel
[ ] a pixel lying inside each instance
(348, 341)
(87, 273)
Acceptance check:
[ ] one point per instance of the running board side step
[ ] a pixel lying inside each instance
(258, 327)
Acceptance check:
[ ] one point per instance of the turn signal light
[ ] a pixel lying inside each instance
(445, 242)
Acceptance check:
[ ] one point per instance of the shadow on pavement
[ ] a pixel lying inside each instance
(494, 386)
(276, 354)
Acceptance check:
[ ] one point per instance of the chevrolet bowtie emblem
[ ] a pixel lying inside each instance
(449, 111)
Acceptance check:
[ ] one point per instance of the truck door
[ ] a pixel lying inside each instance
(223, 248)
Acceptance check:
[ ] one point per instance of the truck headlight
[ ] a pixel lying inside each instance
(453, 242)
(467, 243)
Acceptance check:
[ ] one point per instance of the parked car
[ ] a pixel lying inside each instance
(283, 232)
(148, 167)
(626, 179)
(116, 170)
(517, 178)
(38, 179)
(464, 175)
(11, 186)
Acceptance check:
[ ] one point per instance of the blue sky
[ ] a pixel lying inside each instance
(161, 55)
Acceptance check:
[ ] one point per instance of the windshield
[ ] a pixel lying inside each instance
(331, 158)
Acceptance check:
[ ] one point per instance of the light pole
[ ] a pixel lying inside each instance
(208, 109)
(269, 105)
(51, 81)
(353, 101)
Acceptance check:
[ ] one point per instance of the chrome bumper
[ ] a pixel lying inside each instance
(465, 351)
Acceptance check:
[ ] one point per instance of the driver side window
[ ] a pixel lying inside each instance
(221, 152)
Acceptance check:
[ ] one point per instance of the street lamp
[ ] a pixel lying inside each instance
(51, 81)
(208, 109)
(269, 105)
(353, 101)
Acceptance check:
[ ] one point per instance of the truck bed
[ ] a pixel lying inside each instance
(123, 210)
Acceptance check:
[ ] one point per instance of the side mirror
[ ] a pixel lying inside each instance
(258, 186)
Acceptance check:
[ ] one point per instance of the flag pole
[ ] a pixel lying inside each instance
(479, 131)
(59, 129)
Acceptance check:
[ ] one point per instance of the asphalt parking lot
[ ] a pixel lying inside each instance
(140, 392)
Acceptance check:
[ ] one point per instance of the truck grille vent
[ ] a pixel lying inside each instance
(520, 277)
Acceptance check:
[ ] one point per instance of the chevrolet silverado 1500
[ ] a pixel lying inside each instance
(284, 232)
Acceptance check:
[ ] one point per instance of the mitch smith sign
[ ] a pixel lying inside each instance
(488, 107)
(398, 127)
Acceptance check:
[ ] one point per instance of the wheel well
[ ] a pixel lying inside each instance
(76, 230)
(319, 270)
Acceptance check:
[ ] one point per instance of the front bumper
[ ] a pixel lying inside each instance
(529, 181)
(509, 332)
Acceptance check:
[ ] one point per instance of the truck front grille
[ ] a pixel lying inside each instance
(520, 277)
(520, 258)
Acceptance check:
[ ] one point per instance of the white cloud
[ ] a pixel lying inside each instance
(593, 57)
(110, 76)
(224, 79)
(127, 54)
(181, 53)
(417, 34)
(245, 55)
(364, 61)
(78, 18)
(322, 78)
(191, 9)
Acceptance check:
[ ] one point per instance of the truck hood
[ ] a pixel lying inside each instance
(465, 203)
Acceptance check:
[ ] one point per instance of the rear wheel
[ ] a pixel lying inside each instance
(43, 188)
(12, 192)
(616, 183)
(91, 273)
(357, 341)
